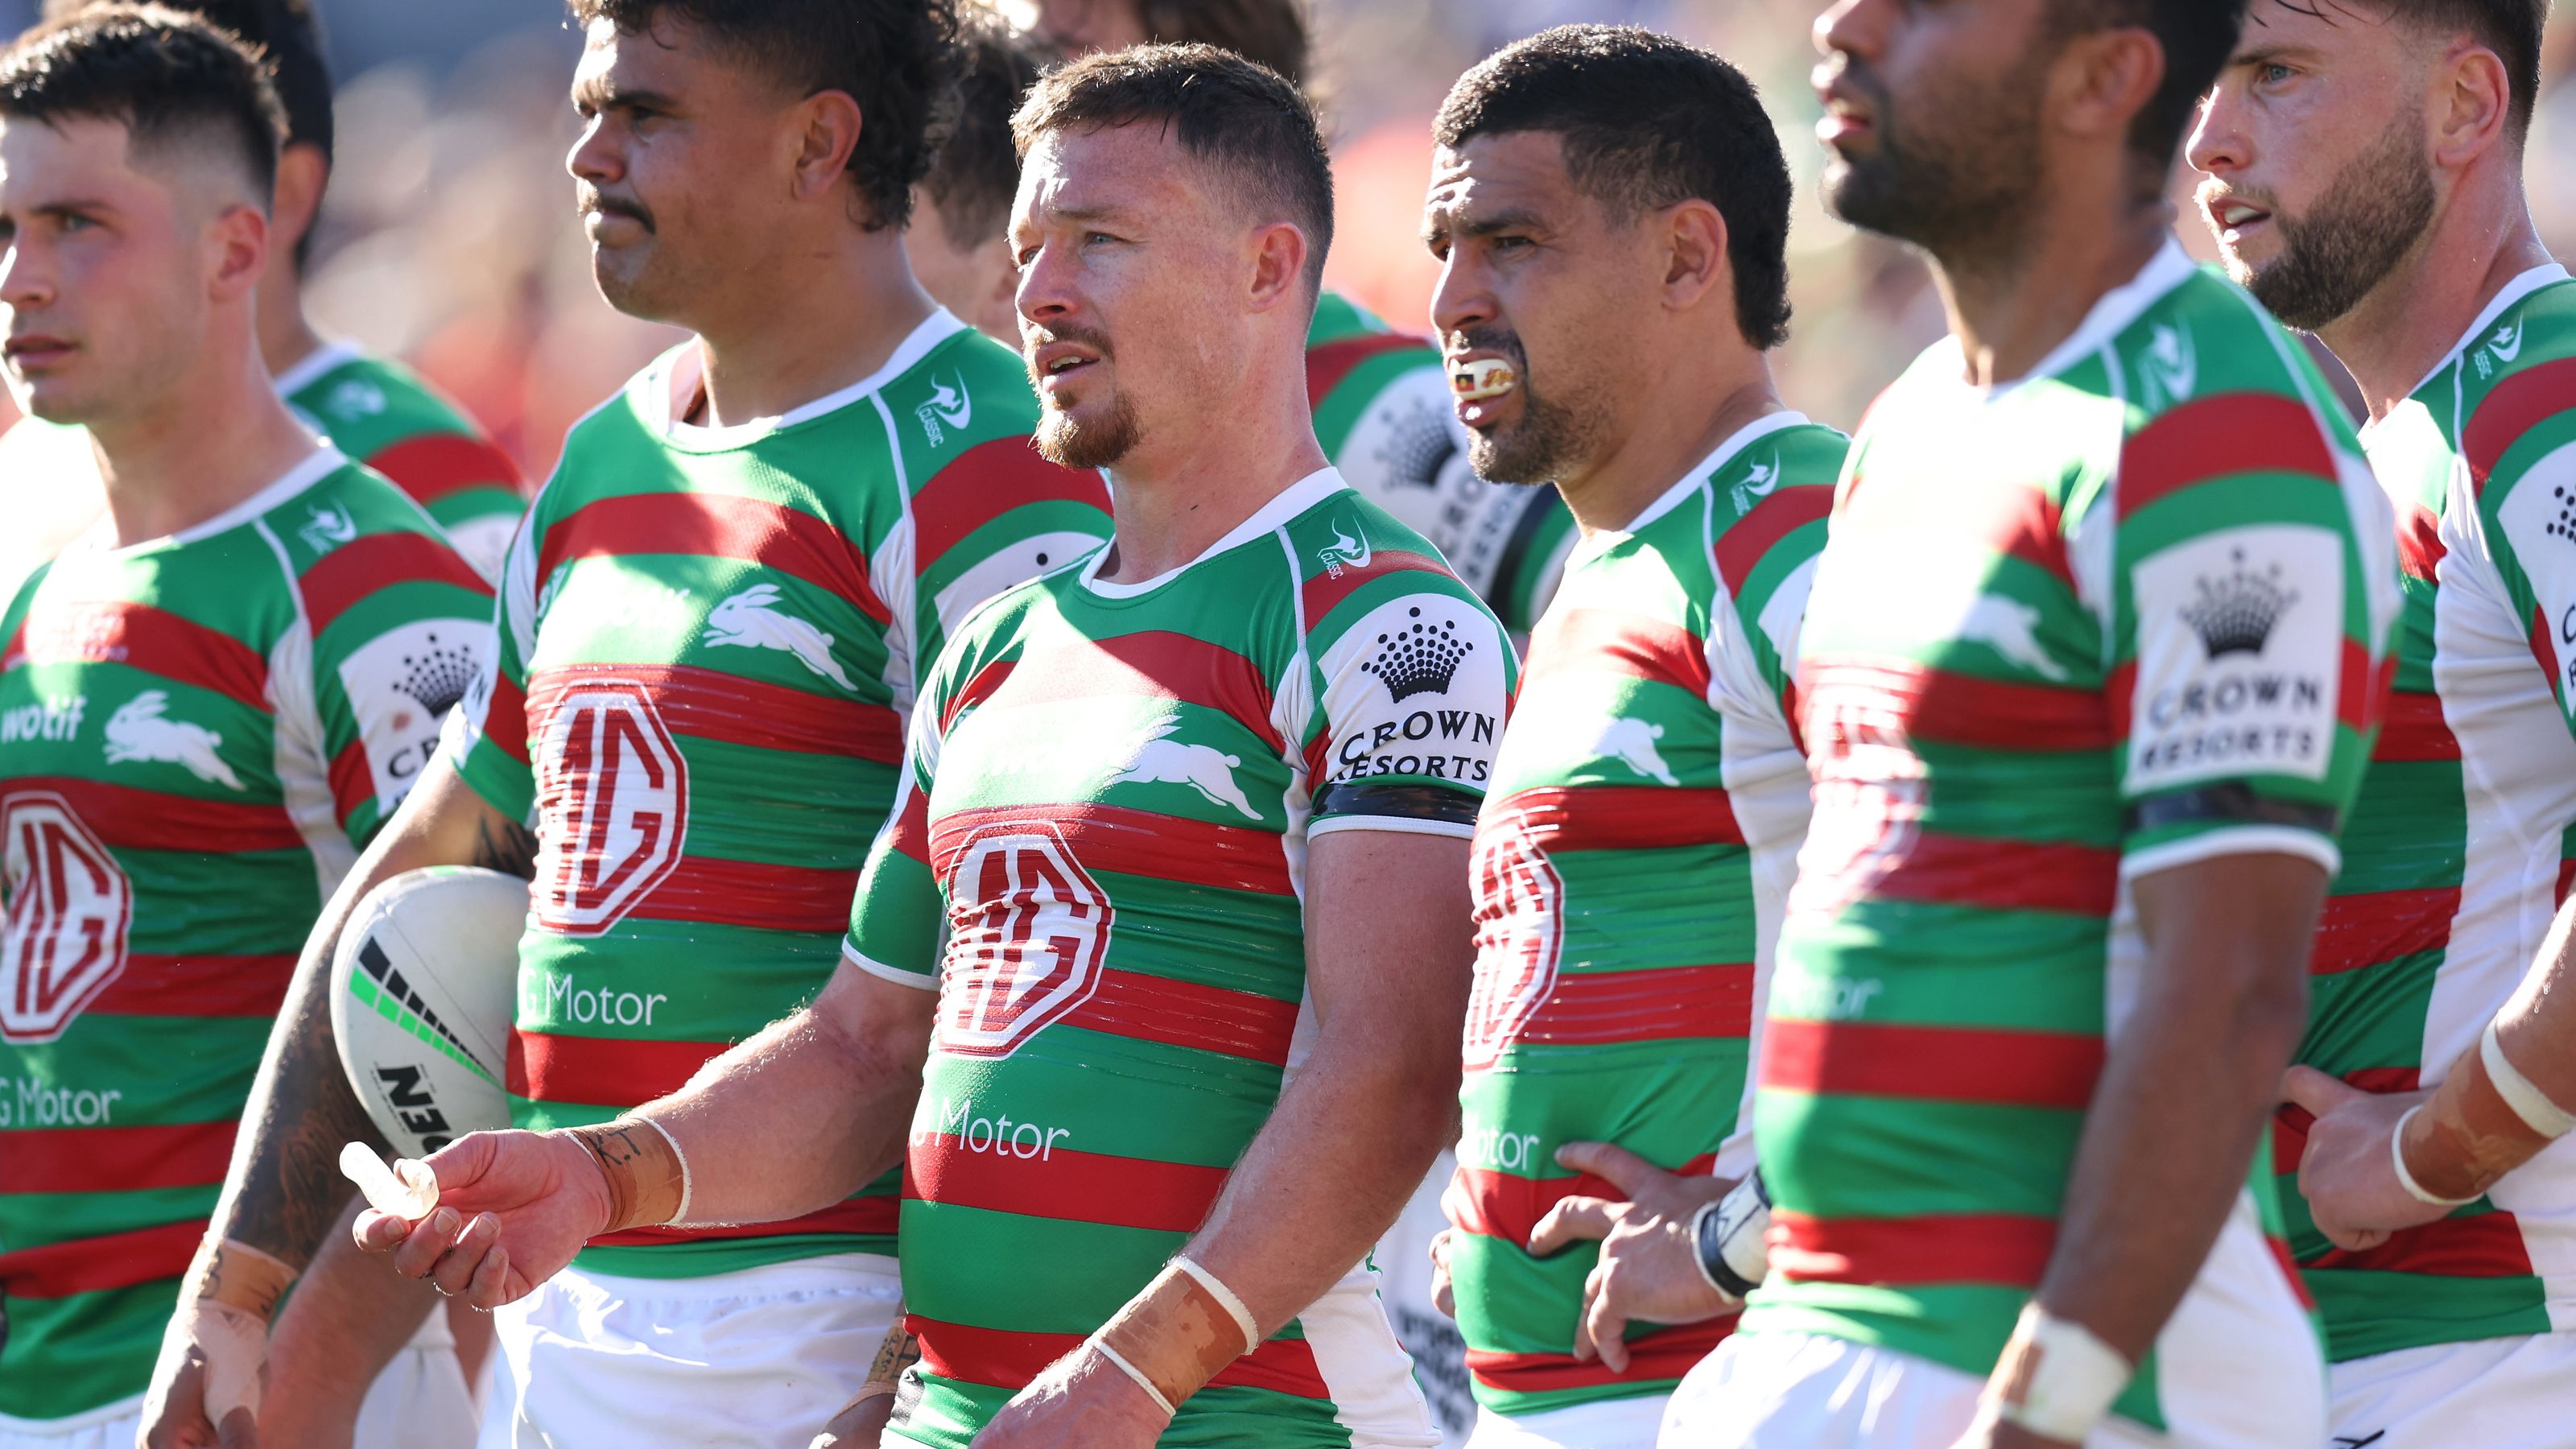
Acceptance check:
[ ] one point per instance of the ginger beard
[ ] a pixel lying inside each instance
(1067, 441)
(1545, 440)
(2350, 238)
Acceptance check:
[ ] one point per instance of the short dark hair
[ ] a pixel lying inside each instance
(1265, 32)
(1647, 122)
(2197, 36)
(896, 58)
(978, 170)
(162, 73)
(2510, 28)
(1245, 120)
(285, 34)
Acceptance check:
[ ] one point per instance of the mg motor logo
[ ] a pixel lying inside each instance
(69, 905)
(612, 802)
(1027, 930)
(1520, 930)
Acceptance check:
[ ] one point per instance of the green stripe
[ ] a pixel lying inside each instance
(67, 1356)
(2369, 1312)
(1998, 1159)
(974, 1266)
(472, 505)
(948, 1413)
(41, 1219)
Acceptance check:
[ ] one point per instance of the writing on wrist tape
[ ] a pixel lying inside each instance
(648, 1179)
(241, 1276)
(2406, 1177)
(1732, 1237)
(1183, 1330)
(2056, 1377)
(2520, 1093)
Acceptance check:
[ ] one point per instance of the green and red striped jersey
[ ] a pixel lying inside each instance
(1112, 792)
(2127, 613)
(707, 650)
(386, 416)
(1631, 865)
(197, 736)
(2459, 850)
(1384, 414)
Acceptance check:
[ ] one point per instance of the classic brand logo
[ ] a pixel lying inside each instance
(1420, 659)
(613, 803)
(948, 404)
(1520, 932)
(1026, 937)
(2235, 614)
(1759, 482)
(326, 527)
(2171, 367)
(69, 906)
(1349, 548)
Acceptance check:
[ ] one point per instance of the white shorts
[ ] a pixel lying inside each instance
(2495, 1393)
(110, 1426)
(1629, 1423)
(1403, 1259)
(757, 1359)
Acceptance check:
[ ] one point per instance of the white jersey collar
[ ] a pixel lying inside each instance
(2513, 293)
(1284, 505)
(675, 379)
(1699, 474)
(317, 465)
(2110, 315)
(310, 367)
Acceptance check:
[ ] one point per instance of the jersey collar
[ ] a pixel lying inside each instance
(1286, 504)
(309, 369)
(676, 379)
(2111, 314)
(317, 465)
(2522, 286)
(1700, 472)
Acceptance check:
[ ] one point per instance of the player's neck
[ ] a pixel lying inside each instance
(1678, 423)
(793, 335)
(2013, 302)
(2476, 246)
(1185, 486)
(214, 440)
(286, 336)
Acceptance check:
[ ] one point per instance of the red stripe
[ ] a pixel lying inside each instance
(353, 781)
(1665, 1003)
(1998, 1248)
(910, 835)
(704, 890)
(1149, 664)
(870, 1216)
(1665, 1353)
(1136, 842)
(985, 482)
(1006, 1359)
(505, 719)
(601, 1071)
(126, 818)
(2367, 929)
(2566, 874)
(2419, 543)
(2290, 1122)
(2414, 730)
(1741, 549)
(1622, 817)
(720, 525)
(1499, 1205)
(1325, 592)
(1615, 641)
(347, 574)
(96, 1265)
(1938, 705)
(1329, 363)
(2003, 875)
(1187, 1014)
(976, 690)
(1054, 1181)
(433, 465)
(2362, 690)
(2002, 515)
(152, 640)
(197, 985)
(1931, 1063)
(2518, 404)
(710, 704)
(114, 1159)
(2220, 437)
(2488, 1245)
(2544, 650)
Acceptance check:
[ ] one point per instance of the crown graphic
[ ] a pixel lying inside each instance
(1421, 659)
(439, 676)
(2235, 614)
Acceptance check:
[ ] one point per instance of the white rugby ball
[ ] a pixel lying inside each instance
(422, 989)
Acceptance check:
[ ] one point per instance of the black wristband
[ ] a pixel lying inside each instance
(1712, 1246)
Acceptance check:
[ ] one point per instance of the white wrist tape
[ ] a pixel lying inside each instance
(2520, 1093)
(2406, 1179)
(1133, 1372)
(1226, 1297)
(681, 1213)
(2064, 1377)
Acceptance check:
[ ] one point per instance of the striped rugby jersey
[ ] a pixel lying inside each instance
(197, 735)
(708, 642)
(2127, 613)
(1384, 414)
(2460, 848)
(1112, 792)
(1631, 864)
(384, 415)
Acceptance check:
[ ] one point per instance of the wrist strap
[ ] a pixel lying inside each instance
(2520, 1093)
(648, 1179)
(240, 1276)
(1225, 1296)
(1732, 1238)
(2406, 1179)
(2057, 1378)
(1133, 1372)
(1183, 1330)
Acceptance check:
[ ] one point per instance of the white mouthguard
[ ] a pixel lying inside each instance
(1485, 377)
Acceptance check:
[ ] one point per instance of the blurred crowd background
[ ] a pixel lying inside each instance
(449, 237)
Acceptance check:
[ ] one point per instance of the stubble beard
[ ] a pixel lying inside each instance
(1962, 193)
(2363, 225)
(1067, 443)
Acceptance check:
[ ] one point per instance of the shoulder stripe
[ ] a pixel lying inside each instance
(115, 1159)
(1615, 641)
(1931, 1063)
(130, 818)
(1742, 547)
(430, 466)
(2007, 1249)
(1621, 817)
(345, 576)
(2216, 437)
(1328, 364)
(150, 639)
(719, 525)
(984, 483)
(1323, 591)
(96, 1265)
(2518, 404)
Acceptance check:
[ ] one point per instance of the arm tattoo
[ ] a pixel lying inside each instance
(513, 853)
(289, 1191)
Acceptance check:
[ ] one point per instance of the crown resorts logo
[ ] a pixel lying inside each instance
(1421, 659)
(2235, 614)
(2564, 526)
(437, 677)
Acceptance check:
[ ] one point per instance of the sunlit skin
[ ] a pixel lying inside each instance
(2292, 138)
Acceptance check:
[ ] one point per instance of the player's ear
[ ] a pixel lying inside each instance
(237, 243)
(1278, 264)
(2103, 79)
(828, 131)
(2472, 104)
(1693, 237)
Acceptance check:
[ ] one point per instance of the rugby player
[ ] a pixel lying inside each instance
(711, 629)
(1611, 212)
(209, 702)
(959, 242)
(1197, 810)
(373, 409)
(2364, 164)
(2089, 675)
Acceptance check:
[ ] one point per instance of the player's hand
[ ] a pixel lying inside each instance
(1443, 1295)
(1081, 1400)
(859, 1425)
(1649, 1267)
(1986, 1433)
(2346, 1173)
(513, 1207)
(213, 1355)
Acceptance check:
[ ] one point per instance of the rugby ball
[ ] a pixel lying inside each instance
(422, 989)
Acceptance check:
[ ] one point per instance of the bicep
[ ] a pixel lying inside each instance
(1389, 929)
(2203, 920)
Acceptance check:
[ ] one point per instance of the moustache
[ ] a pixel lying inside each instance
(1091, 337)
(590, 202)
